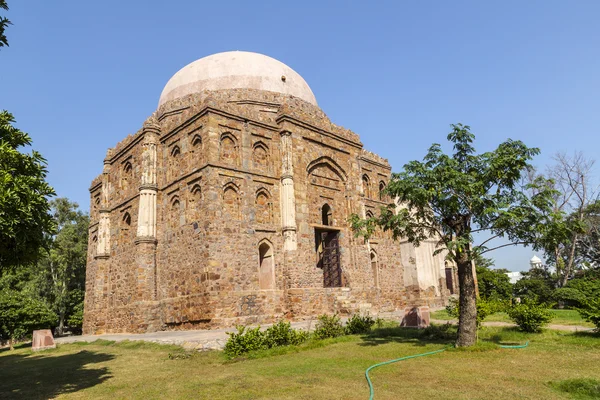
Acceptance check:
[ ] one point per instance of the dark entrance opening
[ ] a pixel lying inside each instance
(327, 247)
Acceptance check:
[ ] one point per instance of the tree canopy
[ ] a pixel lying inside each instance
(450, 197)
(25, 220)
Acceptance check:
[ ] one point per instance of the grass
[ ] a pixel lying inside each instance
(561, 317)
(331, 369)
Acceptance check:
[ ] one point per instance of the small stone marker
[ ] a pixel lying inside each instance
(416, 317)
(42, 340)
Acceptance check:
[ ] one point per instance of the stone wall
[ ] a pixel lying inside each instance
(222, 252)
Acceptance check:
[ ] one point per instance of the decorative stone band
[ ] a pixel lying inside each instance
(145, 239)
(288, 229)
(149, 186)
(103, 256)
(104, 211)
(287, 176)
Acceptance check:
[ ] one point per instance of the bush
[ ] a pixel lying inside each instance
(591, 312)
(282, 334)
(246, 340)
(243, 341)
(485, 308)
(329, 327)
(439, 332)
(530, 317)
(359, 324)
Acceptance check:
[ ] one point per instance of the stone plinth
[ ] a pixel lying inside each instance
(42, 340)
(416, 317)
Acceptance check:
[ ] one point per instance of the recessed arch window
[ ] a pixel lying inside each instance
(264, 207)
(326, 215)
(228, 148)
(375, 267)
(366, 186)
(266, 266)
(231, 201)
(260, 155)
(382, 196)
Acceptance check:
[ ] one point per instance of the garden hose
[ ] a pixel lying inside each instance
(372, 391)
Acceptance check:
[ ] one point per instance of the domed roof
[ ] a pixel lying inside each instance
(535, 260)
(236, 70)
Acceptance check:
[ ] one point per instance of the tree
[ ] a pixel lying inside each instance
(570, 177)
(493, 284)
(4, 22)
(452, 197)
(25, 220)
(21, 308)
(62, 266)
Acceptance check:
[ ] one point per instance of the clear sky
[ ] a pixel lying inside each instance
(79, 76)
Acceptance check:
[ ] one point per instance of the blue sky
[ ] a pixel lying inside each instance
(79, 76)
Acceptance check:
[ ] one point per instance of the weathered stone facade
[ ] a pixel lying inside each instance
(231, 206)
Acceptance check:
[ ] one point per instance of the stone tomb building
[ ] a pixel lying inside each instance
(231, 206)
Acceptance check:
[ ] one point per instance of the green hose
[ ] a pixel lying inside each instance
(372, 391)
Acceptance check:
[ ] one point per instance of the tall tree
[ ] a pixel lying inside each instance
(25, 219)
(570, 177)
(450, 197)
(62, 266)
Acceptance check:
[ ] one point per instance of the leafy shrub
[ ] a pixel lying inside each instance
(329, 327)
(243, 341)
(282, 334)
(530, 317)
(246, 340)
(485, 308)
(569, 296)
(359, 324)
(591, 312)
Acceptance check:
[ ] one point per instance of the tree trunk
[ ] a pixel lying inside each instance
(61, 323)
(10, 343)
(467, 321)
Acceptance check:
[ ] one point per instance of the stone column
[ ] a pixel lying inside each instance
(145, 241)
(288, 198)
(102, 278)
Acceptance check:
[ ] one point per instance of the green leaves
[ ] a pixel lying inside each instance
(25, 220)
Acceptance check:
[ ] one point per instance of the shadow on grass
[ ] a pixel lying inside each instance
(435, 334)
(46, 375)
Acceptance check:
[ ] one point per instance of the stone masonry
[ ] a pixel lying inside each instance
(231, 207)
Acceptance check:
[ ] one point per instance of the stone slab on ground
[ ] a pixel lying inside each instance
(42, 340)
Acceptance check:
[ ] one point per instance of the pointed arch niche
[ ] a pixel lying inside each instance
(260, 156)
(231, 201)
(266, 265)
(375, 268)
(264, 206)
(228, 150)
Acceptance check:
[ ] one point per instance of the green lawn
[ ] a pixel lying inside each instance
(561, 317)
(331, 369)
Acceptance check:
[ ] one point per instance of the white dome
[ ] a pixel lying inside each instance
(535, 260)
(236, 70)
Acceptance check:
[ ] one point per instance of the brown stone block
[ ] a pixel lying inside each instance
(42, 340)
(416, 317)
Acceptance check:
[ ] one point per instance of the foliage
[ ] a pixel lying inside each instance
(75, 320)
(493, 284)
(578, 290)
(359, 324)
(329, 327)
(590, 311)
(243, 341)
(485, 308)
(282, 334)
(451, 197)
(21, 313)
(61, 276)
(4, 22)
(529, 316)
(252, 339)
(536, 285)
(25, 220)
